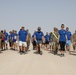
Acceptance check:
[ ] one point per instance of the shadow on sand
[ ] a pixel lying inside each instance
(1, 52)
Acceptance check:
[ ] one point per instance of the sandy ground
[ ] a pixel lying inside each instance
(12, 63)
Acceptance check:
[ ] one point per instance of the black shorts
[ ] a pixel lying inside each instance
(62, 45)
(34, 43)
(46, 42)
(2, 41)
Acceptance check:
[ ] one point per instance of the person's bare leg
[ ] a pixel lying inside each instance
(37, 48)
(62, 53)
(16, 46)
(40, 47)
(45, 46)
(51, 48)
(2, 45)
(20, 48)
(24, 48)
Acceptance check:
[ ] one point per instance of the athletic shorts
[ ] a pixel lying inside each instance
(46, 42)
(68, 43)
(62, 45)
(17, 42)
(6, 42)
(34, 43)
(22, 44)
(2, 41)
(52, 43)
(39, 41)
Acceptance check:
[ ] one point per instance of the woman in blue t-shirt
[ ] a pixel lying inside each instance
(69, 37)
(62, 37)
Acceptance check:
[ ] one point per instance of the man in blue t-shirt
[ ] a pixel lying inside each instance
(39, 38)
(47, 40)
(69, 36)
(23, 37)
(5, 39)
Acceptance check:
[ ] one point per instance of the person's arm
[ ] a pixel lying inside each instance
(3, 35)
(18, 36)
(30, 36)
(34, 37)
(7, 37)
(27, 38)
(66, 38)
(58, 38)
(43, 38)
(71, 37)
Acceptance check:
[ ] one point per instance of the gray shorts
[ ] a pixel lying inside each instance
(39, 42)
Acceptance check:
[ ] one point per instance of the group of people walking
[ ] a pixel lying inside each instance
(53, 41)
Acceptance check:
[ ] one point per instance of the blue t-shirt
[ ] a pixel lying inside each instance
(33, 35)
(47, 38)
(39, 35)
(15, 37)
(9, 36)
(68, 33)
(12, 36)
(62, 34)
(6, 36)
(22, 35)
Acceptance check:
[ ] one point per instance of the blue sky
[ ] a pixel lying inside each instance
(34, 13)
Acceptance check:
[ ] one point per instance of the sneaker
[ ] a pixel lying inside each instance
(37, 52)
(63, 55)
(55, 53)
(21, 53)
(40, 53)
(24, 52)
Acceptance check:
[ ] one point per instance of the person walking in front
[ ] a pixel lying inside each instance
(39, 38)
(23, 37)
(62, 38)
